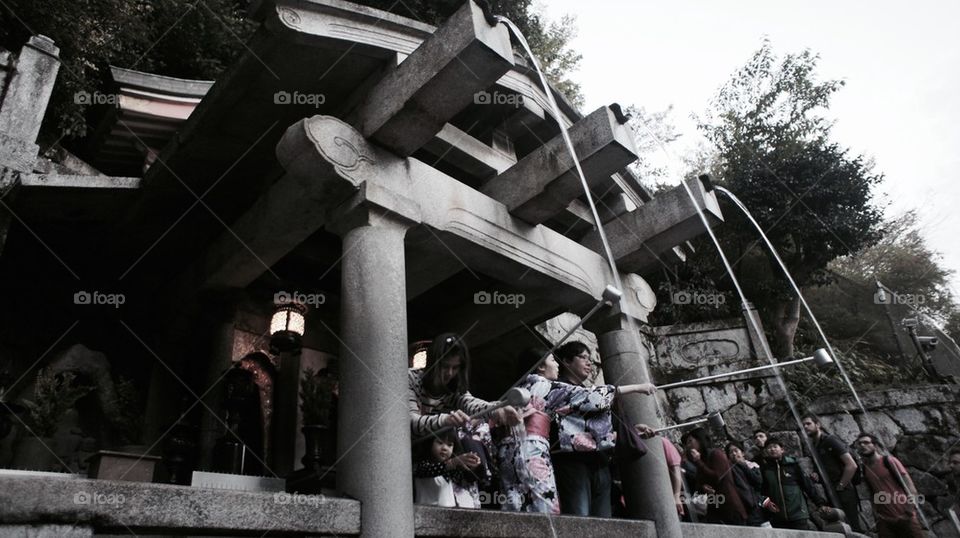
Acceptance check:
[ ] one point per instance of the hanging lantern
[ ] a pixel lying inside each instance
(287, 326)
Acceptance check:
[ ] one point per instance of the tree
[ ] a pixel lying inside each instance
(810, 195)
(848, 308)
(200, 38)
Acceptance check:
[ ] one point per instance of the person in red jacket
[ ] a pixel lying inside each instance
(714, 477)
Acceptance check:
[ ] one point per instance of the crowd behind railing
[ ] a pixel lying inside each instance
(555, 455)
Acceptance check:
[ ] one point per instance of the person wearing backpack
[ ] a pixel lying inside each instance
(895, 497)
(840, 467)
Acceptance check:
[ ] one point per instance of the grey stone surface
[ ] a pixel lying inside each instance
(686, 403)
(917, 420)
(702, 530)
(45, 531)
(444, 522)
(741, 421)
(843, 426)
(930, 485)
(25, 100)
(882, 426)
(138, 507)
(374, 430)
(925, 451)
(543, 183)
(412, 102)
(720, 397)
(646, 483)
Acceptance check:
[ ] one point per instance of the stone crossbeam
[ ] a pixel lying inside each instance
(545, 182)
(328, 163)
(643, 237)
(414, 100)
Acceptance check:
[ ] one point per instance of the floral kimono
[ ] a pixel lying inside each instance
(526, 473)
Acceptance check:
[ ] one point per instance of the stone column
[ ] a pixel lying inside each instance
(25, 101)
(373, 449)
(646, 482)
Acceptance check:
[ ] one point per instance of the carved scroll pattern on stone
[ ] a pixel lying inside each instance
(710, 351)
(289, 17)
(340, 145)
(371, 36)
(486, 233)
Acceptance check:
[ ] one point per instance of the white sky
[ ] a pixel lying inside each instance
(901, 64)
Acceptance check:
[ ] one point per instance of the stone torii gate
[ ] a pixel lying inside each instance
(355, 176)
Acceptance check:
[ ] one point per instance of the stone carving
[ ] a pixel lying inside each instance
(340, 144)
(289, 17)
(709, 351)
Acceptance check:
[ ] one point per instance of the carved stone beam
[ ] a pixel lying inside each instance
(543, 183)
(413, 101)
(639, 239)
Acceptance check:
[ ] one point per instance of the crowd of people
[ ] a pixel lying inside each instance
(554, 455)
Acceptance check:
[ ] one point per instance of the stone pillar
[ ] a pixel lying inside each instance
(25, 102)
(646, 482)
(373, 449)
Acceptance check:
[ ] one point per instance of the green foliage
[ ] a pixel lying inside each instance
(55, 394)
(179, 38)
(866, 372)
(316, 398)
(772, 148)
(903, 262)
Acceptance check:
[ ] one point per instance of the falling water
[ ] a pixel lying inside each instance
(796, 289)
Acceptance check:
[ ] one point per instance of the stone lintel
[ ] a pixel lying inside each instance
(639, 238)
(412, 102)
(543, 183)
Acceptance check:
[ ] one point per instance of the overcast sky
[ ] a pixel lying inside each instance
(901, 64)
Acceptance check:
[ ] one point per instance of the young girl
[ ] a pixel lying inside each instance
(441, 472)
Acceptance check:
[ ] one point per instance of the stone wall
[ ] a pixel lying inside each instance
(919, 425)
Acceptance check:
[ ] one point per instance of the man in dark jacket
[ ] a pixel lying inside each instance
(841, 468)
(786, 489)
